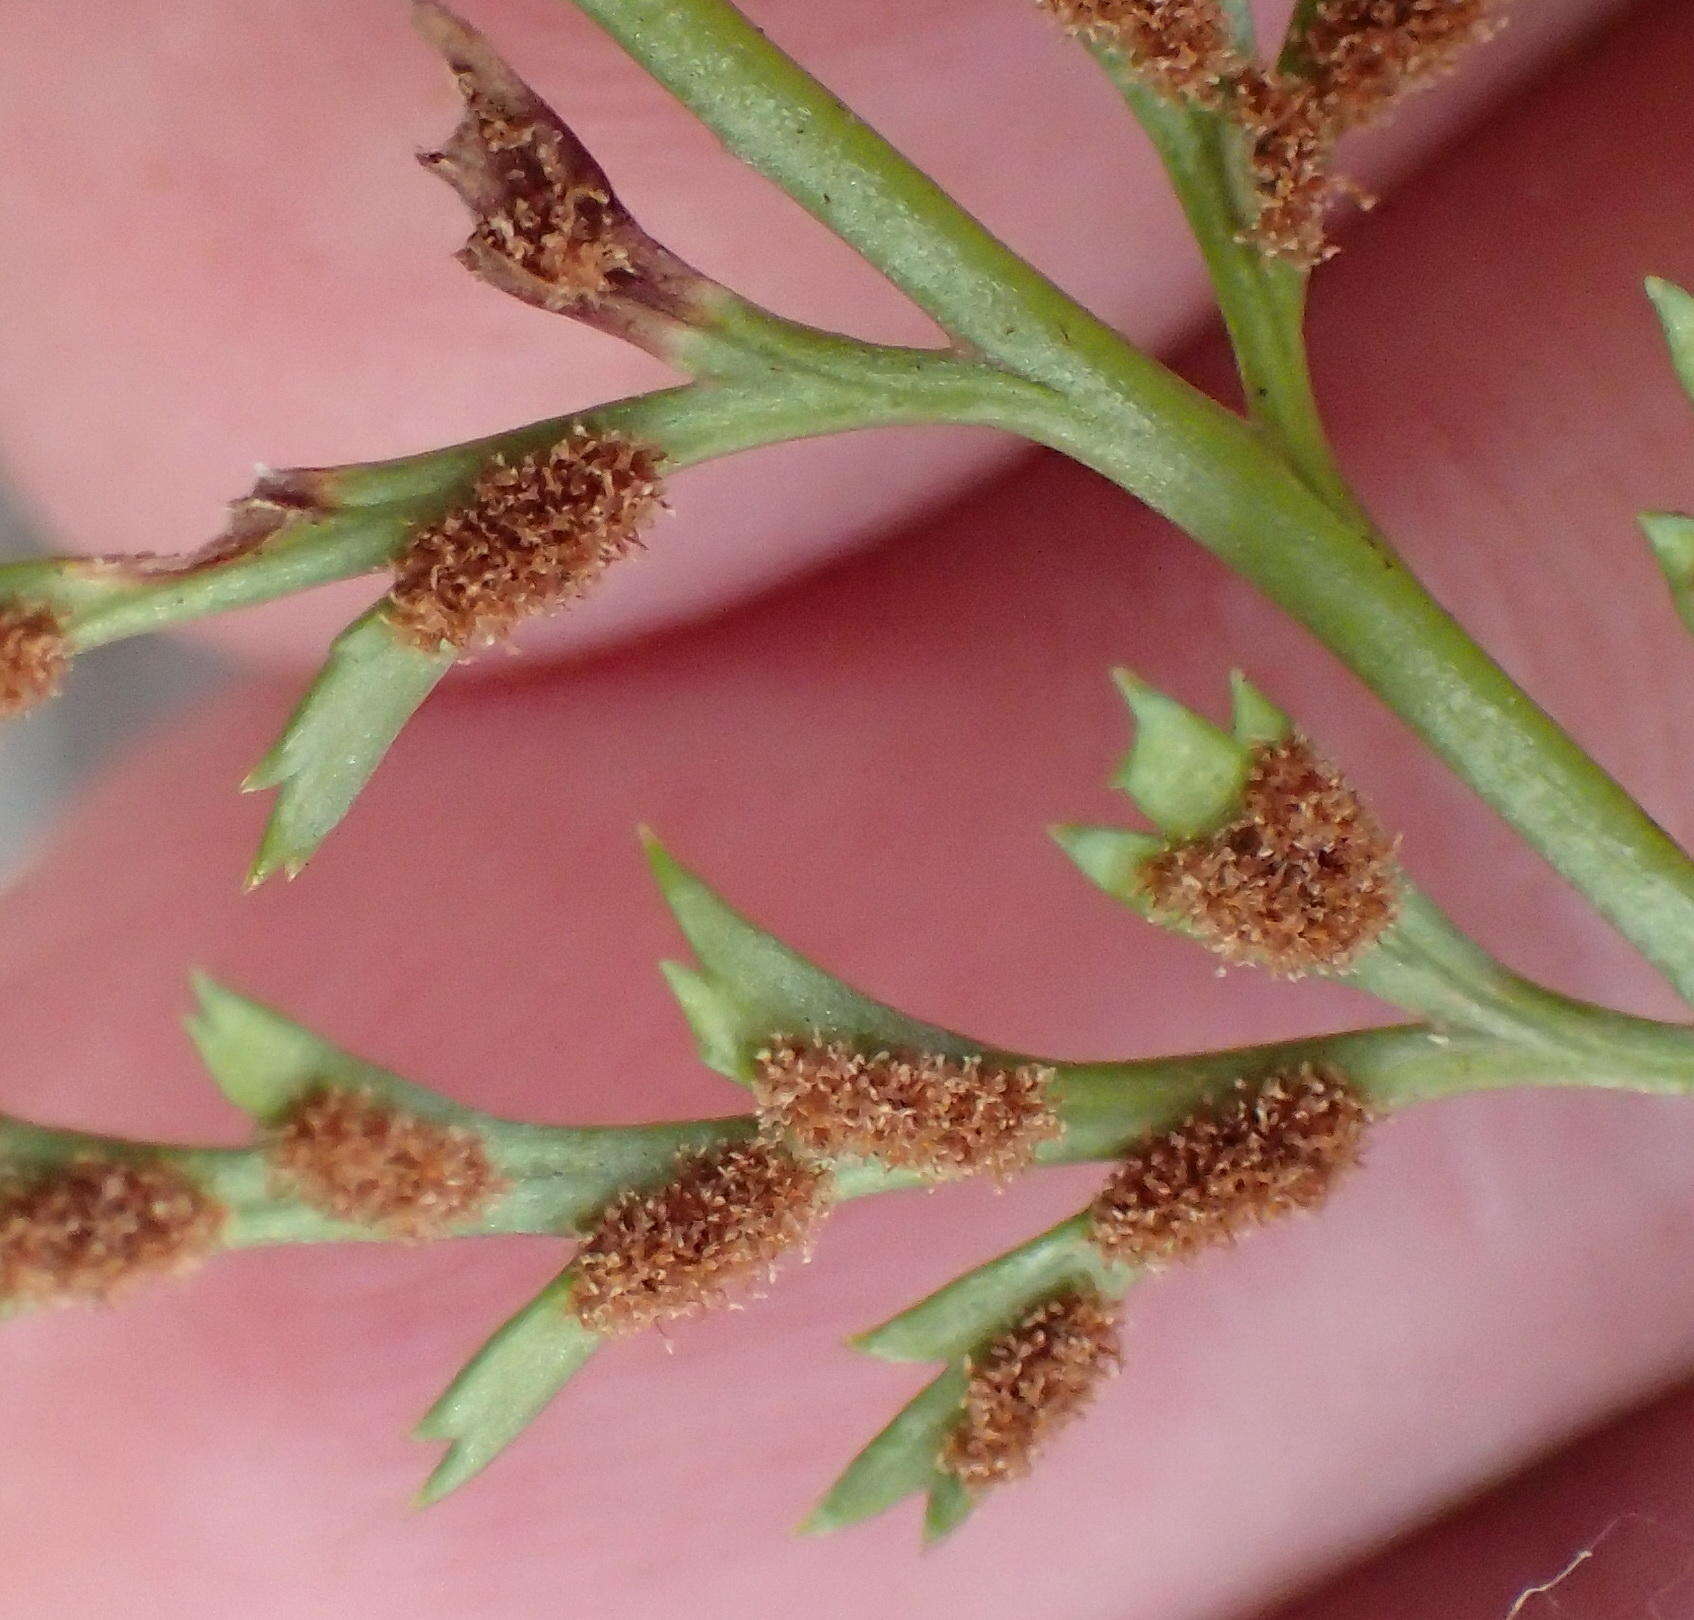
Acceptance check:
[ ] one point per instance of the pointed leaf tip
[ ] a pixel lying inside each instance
(370, 685)
(1109, 857)
(950, 1504)
(1254, 719)
(504, 1387)
(1675, 309)
(1185, 773)
(898, 1463)
(750, 987)
(1671, 536)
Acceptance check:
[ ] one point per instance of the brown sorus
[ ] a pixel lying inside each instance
(723, 1220)
(944, 1117)
(1270, 1148)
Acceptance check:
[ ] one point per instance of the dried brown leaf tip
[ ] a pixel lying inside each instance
(32, 657)
(943, 1117)
(85, 1230)
(722, 1221)
(1181, 47)
(1272, 1148)
(350, 1155)
(549, 228)
(535, 534)
(280, 498)
(1028, 1383)
(1304, 879)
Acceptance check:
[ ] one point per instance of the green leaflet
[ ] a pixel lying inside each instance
(369, 687)
(1111, 858)
(1184, 773)
(951, 1325)
(898, 1463)
(1293, 55)
(1676, 315)
(504, 1387)
(1671, 536)
(750, 987)
(1255, 721)
(265, 1063)
(950, 1504)
(955, 1319)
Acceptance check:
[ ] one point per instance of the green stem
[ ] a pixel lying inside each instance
(561, 1177)
(1229, 491)
(824, 385)
(1262, 300)
(1186, 456)
(778, 119)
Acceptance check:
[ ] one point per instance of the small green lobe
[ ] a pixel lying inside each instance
(1255, 720)
(898, 1463)
(1676, 315)
(369, 687)
(504, 1387)
(1672, 538)
(950, 1504)
(1186, 774)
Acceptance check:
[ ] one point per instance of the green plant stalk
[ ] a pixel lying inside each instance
(1357, 598)
(827, 385)
(1210, 473)
(562, 1176)
(1262, 300)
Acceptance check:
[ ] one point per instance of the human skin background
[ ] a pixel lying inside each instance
(865, 762)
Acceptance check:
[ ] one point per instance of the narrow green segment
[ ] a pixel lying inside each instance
(101, 602)
(369, 687)
(1671, 536)
(505, 1386)
(1112, 858)
(1676, 315)
(266, 1064)
(1293, 58)
(967, 1312)
(1184, 772)
(950, 1504)
(1255, 721)
(750, 987)
(899, 1462)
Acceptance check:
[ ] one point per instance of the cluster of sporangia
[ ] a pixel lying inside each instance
(1303, 879)
(86, 1229)
(1355, 60)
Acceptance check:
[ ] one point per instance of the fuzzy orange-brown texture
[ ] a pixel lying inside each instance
(1362, 56)
(1357, 59)
(548, 227)
(943, 1117)
(550, 223)
(536, 533)
(86, 1229)
(1274, 1147)
(1181, 47)
(1303, 880)
(32, 657)
(350, 1155)
(1290, 156)
(1028, 1383)
(722, 1221)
